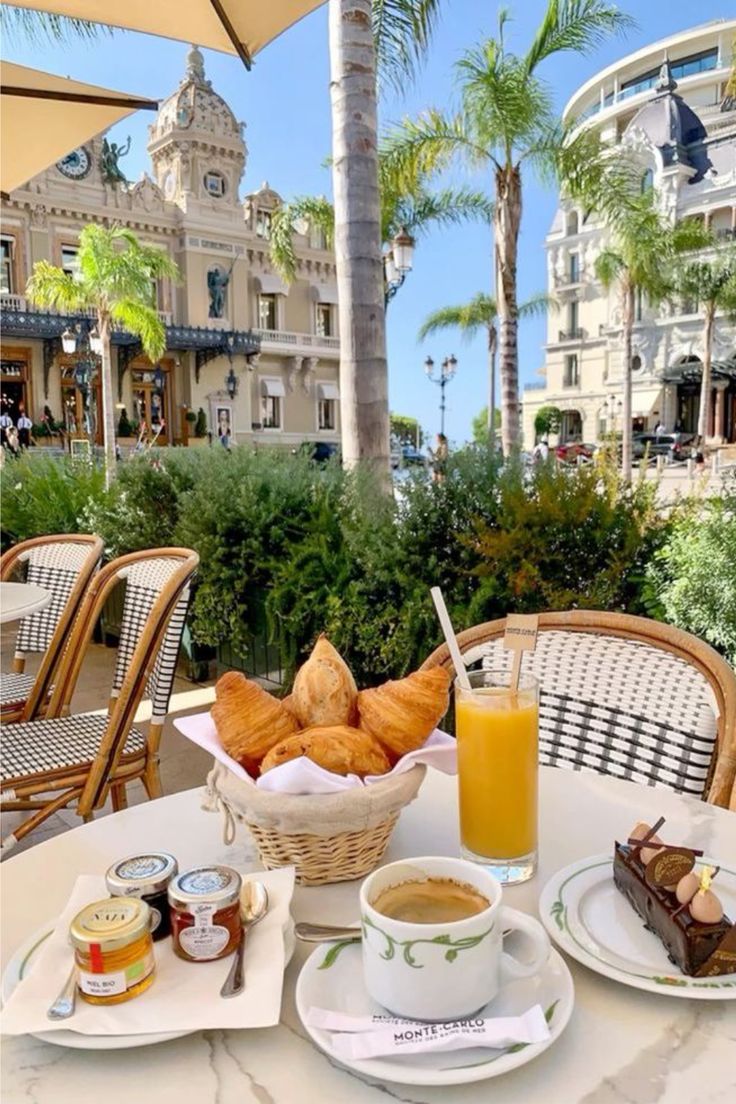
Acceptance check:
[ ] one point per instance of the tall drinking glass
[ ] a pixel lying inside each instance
(497, 733)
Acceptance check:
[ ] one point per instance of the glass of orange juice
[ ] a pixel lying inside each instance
(497, 733)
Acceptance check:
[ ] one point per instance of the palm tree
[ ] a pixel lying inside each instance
(481, 313)
(711, 282)
(414, 213)
(505, 121)
(115, 278)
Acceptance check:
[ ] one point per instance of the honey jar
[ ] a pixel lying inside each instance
(146, 876)
(205, 913)
(113, 950)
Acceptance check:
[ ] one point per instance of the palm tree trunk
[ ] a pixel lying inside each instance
(108, 400)
(492, 342)
(506, 222)
(628, 325)
(706, 384)
(363, 368)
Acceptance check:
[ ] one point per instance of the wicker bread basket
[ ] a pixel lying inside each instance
(328, 837)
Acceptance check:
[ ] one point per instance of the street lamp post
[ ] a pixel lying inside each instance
(397, 263)
(85, 341)
(446, 373)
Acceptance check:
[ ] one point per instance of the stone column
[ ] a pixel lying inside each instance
(719, 422)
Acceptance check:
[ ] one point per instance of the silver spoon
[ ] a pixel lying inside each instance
(325, 933)
(63, 1006)
(253, 907)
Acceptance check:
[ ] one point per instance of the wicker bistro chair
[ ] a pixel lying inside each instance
(50, 763)
(63, 564)
(625, 696)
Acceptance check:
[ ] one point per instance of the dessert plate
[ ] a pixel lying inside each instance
(332, 978)
(22, 963)
(590, 919)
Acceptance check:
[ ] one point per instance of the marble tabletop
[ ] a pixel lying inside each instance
(622, 1046)
(19, 600)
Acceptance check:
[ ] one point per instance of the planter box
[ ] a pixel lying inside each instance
(198, 442)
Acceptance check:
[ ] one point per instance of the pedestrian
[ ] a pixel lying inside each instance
(25, 425)
(438, 458)
(11, 440)
(659, 430)
(5, 424)
(540, 452)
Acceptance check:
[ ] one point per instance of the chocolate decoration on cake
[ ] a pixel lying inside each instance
(669, 866)
(698, 948)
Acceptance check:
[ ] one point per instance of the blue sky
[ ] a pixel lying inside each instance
(285, 104)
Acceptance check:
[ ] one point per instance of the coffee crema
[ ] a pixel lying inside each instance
(430, 901)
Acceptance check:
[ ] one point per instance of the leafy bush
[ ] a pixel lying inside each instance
(200, 425)
(548, 419)
(125, 429)
(692, 578)
(46, 494)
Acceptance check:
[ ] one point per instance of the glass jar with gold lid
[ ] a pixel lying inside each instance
(113, 950)
(205, 913)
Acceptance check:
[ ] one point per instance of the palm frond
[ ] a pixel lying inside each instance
(402, 31)
(538, 305)
(417, 148)
(21, 25)
(315, 210)
(479, 313)
(578, 25)
(447, 207)
(53, 289)
(143, 321)
(608, 267)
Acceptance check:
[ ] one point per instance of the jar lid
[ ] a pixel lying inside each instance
(138, 875)
(218, 885)
(112, 923)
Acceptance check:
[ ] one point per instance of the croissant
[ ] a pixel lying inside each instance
(324, 689)
(402, 713)
(248, 720)
(338, 748)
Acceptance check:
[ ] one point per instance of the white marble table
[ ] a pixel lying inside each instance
(622, 1046)
(19, 600)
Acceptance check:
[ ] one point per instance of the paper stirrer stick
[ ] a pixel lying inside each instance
(520, 636)
(450, 638)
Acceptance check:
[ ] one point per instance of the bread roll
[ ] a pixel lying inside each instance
(324, 689)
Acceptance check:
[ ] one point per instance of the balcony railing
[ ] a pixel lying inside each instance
(575, 334)
(289, 337)
(726, 233)
(9, 301)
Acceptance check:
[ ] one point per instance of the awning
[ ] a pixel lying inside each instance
(323, 293)
(327, 391)
(241, 27)
(44, 117)
(273, 388)
(270, 285)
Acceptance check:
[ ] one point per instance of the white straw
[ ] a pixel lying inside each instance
(450, 638)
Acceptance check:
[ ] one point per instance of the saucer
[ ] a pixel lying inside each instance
(590, 919)
(332, 978)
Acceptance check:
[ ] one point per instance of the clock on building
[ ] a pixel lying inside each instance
(76, 164)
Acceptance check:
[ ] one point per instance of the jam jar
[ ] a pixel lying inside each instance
(205, 913)
(146, 876)
(113, 950)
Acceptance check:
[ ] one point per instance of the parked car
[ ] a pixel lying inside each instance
(675, 446)
(318, 451)
(411, 455)
(569, 452)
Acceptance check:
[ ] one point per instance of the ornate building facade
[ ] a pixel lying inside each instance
(260, 358)
(667, 106)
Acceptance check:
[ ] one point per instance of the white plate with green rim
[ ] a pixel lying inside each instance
(589, 918)
(22, 963)
(332, 978)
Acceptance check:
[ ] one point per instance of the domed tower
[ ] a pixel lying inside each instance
(196, 144)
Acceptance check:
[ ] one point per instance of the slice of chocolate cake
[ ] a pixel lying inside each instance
(689, 943)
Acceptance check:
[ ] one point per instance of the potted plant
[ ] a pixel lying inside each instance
(125, 433)
(200, 428)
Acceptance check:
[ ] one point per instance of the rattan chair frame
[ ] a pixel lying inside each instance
(35, 703)
(110, 771)
(721, 788)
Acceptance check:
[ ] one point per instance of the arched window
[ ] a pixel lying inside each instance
(647, 181)
(572, 222)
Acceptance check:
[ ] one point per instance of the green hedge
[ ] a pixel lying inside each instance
(322, 550)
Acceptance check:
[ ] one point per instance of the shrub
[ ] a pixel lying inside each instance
(47, 494)
(548, 419)
(692, 578)
(125, 429)
(200, 425)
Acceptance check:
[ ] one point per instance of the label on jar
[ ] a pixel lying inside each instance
(204, 942)
(102, 985)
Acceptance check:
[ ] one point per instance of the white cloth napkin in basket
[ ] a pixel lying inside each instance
(185, 996)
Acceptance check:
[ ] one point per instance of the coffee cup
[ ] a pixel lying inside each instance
(438, 970)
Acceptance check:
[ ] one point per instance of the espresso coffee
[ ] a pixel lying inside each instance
(430, 901)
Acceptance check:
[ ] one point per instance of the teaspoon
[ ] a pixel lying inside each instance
(253, 907)
(325, 933)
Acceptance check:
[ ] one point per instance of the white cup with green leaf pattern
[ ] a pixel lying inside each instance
(449, 970)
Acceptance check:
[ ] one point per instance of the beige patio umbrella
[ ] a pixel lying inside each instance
(241, 27)
(43, 117)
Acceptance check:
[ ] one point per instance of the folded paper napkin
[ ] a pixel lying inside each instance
(185, 996)
(302, 776)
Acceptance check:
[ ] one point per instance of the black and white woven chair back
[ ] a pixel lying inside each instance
(618, 707)
(54, 567)
(144, 583)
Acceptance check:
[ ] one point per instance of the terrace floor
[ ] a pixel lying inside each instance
(183, 764)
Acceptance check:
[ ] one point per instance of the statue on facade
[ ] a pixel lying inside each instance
(109, 158)
(217, 282)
